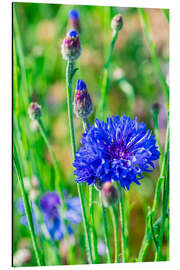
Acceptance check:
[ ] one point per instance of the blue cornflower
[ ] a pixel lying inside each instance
(50, 204)
(119, 150)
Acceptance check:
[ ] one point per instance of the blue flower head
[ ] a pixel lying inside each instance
(119, 150)
(74, 14)
(49, 204)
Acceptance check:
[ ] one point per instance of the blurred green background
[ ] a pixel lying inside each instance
(39, 75)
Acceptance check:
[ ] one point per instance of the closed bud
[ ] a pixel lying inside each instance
(34, 111)
(155, 109)
(82, 101)
(117, 22)
(110, 194)
(74, 20)
(71, 47)
(98, 185)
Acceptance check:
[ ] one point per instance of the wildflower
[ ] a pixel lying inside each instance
(117, 23)
(50, 206)
(74, 20)
(71, 47)
(119, 150)
(34, 111)
(110, 194)
(82, 102)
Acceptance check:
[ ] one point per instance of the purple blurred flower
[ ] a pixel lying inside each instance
(50, 204)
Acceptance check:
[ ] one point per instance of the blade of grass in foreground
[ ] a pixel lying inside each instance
(27, 208)
(152, 48)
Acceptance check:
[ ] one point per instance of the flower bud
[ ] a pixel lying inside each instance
(71, 47)
(155, 109)
(110, 194)
(117, 22)
(98, 185)
(82, 102)
(34, 111)
(74, 21)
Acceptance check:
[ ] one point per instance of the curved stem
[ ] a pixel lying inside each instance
(161, 180)
(58, 178)
(27, 208)
(70, 71)
(152, 49)
(105, 82)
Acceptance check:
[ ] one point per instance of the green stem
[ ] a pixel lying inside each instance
(147, 31)
(105, 82)
(165, 175)
(58, 178)
(124, 242)
(161, 179)
(69, 77)
(162, 174)
(27, 208)
(93, 231)
(70, 71)
(116, 232)
(156, 131)
(109, 259)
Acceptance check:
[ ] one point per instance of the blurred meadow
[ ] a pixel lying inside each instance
(39, 76)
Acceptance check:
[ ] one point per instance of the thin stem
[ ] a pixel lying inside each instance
(93, 231)
(116, 232)
(165, 175)
(27, 208)
(145, 242)
(70, 71)
(109, 259)
(124, 243)
(147, 31)
(162, 174)
(105, 82)
(156, 131)
(58, 178)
